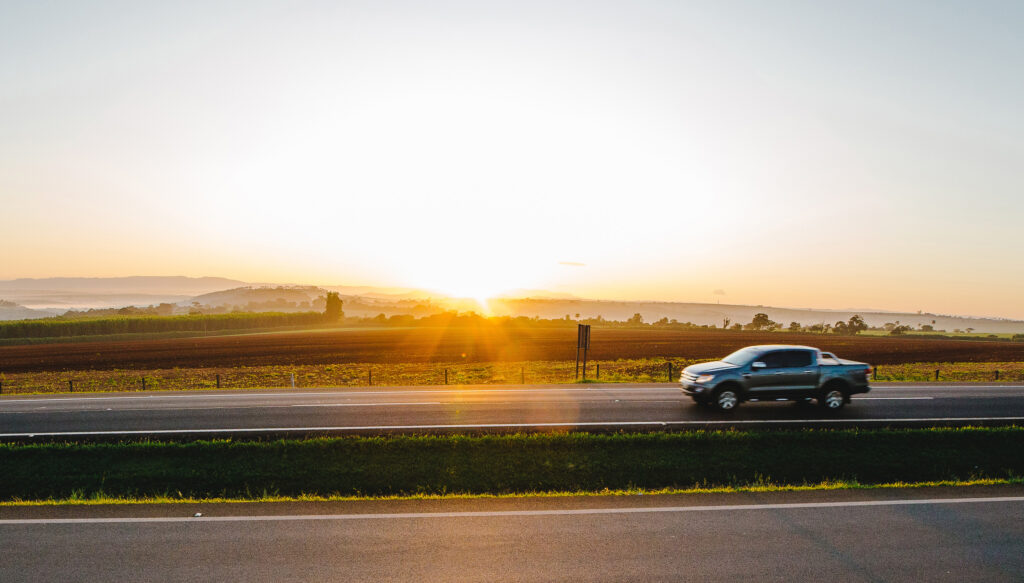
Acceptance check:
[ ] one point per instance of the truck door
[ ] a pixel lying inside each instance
(805, 371)
(775, 376)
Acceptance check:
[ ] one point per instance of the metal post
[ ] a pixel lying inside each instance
(218, 380)
(369, 376)
(874, 374)
(936, 374)
(71, 386)
(293, 380)
(670, 372)
(597, 375)
(143, 383)
(586, 348)
(446, 376)
(997, 374)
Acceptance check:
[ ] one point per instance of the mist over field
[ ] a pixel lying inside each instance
(40, 298)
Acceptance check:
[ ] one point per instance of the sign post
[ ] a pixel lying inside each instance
(582, 343)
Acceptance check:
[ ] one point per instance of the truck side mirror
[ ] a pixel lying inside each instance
(758, 364)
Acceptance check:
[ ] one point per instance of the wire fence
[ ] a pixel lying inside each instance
(656, 370)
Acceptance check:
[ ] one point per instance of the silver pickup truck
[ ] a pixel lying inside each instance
(776, 372)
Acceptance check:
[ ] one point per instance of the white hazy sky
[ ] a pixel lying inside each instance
(819, 154)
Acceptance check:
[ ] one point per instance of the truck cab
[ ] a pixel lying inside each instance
(776, 372)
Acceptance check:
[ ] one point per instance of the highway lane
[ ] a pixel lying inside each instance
(925, 534)
(480, 408)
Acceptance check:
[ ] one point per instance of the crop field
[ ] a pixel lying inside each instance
(464, 345)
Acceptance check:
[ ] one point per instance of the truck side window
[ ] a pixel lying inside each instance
(774, 359)
(798, 358)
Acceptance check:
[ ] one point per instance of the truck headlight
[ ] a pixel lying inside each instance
(705, 378)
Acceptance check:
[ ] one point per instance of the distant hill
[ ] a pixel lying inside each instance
(106, 292)
(13, 311)
(263, 298)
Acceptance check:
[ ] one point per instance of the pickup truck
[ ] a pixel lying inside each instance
(776, 372)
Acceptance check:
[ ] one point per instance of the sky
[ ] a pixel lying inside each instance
(807, 154)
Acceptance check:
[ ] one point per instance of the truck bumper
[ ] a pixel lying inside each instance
(694, 390)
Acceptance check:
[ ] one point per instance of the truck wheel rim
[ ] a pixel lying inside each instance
(727, 400)
(834, 400)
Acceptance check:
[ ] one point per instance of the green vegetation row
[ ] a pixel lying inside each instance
(631, 370)
(504, 464)
(130, 324)
(198, 323)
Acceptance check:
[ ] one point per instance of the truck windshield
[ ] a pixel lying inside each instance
(742, 356)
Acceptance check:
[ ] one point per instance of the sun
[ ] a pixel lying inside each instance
(476, 292)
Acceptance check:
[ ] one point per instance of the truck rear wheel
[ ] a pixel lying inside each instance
(832, 398)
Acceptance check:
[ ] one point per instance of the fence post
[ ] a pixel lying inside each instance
(293, 380)
(218, 380)
(71, 386)
(670, 372)
(143, 383)
(597, 373)
(874, 374)
(369, 376)
(997, 374)
(446, 376)
(1, 387)
(936, 374)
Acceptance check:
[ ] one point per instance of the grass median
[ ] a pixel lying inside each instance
(504, 464)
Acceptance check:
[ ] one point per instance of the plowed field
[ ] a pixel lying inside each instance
(416, 345)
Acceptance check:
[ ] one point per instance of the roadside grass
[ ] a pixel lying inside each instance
(101, 498)
(515, 464)
(642, 370)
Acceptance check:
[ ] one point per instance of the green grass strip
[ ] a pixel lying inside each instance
(505, 464)
(101, 498)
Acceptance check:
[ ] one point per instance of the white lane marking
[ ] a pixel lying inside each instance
(895, 398)
(673, 388)
(896, 387)
(328, 393)
(499, 426)
(367, 404)
(504, 513)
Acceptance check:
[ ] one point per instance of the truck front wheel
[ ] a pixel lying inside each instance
(726, 399)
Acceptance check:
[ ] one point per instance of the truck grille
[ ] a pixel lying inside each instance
(688, 377)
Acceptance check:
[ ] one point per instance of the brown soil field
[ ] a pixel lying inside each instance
(466, 345)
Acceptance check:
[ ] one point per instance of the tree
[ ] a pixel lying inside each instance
(856, 325)
(332, 307)
(840, 328)
(900, 330)
(761, 322)
(725, 323)
(794, 326)
(636, 319)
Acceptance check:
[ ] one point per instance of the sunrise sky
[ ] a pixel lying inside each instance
(813, 154)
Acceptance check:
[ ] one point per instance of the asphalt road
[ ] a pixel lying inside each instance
(928, 534)
(609, 407)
